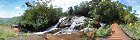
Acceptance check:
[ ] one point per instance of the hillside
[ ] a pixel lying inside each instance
(9, 21)
(13, 20)
(4, 20)
(139, 19)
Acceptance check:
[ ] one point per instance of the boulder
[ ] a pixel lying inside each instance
(66, 23)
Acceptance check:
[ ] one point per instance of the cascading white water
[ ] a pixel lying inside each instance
(76, 21)
(53, 27)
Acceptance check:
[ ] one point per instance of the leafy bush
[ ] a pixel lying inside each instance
(98, 32)
(105, 11)
(91, 23)
(38, 17)
(103, 31)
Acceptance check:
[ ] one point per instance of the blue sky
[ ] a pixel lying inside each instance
(11, 8)
(134, 3)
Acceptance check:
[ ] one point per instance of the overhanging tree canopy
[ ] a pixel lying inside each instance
(107, 11)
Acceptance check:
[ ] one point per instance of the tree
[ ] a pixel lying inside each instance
(28, 4)
(40, 16)
(82, 9)
(70, 10)
(107, 11)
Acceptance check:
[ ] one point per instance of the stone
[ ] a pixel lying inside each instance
(62, 37)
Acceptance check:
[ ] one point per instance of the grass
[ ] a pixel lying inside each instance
(6, 32)
(132, 29)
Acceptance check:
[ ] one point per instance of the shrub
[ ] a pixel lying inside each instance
(103, 31)
(38, 17)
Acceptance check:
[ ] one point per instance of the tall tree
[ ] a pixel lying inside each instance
(70, 10)
(39, 16)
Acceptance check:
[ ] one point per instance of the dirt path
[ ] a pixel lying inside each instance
(117, 33)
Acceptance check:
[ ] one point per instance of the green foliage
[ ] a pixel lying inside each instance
(105, 11)
(139, 19)
(4, 35)
(103, 31)
(10, 21)
(91, 23)
(81, 9)
(37, 17)
(4, 20)
(14, 20)
(133, 30)
(113, 11)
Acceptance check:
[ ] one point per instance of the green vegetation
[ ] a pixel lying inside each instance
(106, 12)
(4, 20)
(14, 20)
(38, 17)
(101, 11)
(10, 21)
(139, 19)
(5, 33)
(103, 31)
(132, 29)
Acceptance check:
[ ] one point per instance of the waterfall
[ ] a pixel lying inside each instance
(53, 27)
(76, 21)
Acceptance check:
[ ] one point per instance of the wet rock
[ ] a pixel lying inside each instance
(65, 23)
(62, 25)
(56, 30)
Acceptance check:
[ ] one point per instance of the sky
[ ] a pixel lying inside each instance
(134, 3)
(11, 8)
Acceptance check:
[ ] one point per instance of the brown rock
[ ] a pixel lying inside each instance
(62, 37)
(80, 33)
(30, 37)
(56, 30)
(62, 25)
(16, 30)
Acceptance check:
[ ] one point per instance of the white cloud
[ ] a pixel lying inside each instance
(9, 15)
(17, 8)
(66, 3)
(138, 12)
